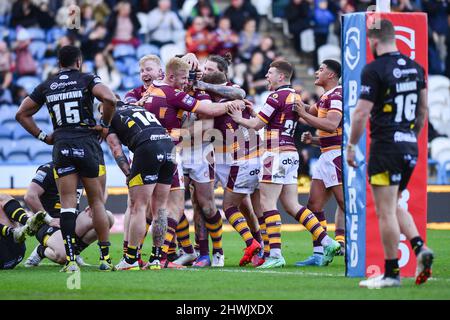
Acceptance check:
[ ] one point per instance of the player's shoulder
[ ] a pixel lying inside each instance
(336, 93)
(46, 167)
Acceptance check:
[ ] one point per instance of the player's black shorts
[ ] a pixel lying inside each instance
(391, 169)
(153, 163)
(11, 253)
(45, 232)
(82, 155)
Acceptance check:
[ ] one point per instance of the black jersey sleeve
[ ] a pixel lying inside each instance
(370, 83)
(92, 80)
(44, 177)
(38, 95)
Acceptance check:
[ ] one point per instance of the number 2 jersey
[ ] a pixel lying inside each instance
(134, 125)
(69, 99)
(393, 83)
(280, 119)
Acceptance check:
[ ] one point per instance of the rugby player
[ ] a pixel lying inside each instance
(167, 100)
(69, 96)
(15, 225)
(148, 178)
(326, 116)
(42, 195)
(279, 164)
(394, 95)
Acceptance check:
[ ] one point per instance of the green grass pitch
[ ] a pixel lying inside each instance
(231, 282)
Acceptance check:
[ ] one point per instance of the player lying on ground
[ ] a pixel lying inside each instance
(15, 225)
(42, 195)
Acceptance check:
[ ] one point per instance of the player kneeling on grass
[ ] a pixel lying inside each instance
(15, 225)
(42, 195)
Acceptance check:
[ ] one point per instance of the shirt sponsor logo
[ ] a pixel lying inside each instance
(188, 100)
(97, 80)
(401, 62)
(64, 77)
(365, 89)
(64, 170)
(157, 137)
(65, 152)
(405, 137)
(160, 157)
(151, 178)
(397, 73)
(40, 176)
(396, 177)
(79, 153)
(61, 85)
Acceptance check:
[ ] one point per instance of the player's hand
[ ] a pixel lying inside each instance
(49, 139)
(239, 104)
(299, 107)
(192, 60)
(55, 223)
(306, 137)
(249, 106)
(102, 132)
(235, 112)
(351, 157)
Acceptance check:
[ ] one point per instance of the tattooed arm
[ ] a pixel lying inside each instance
(116, 148)
(229, 92)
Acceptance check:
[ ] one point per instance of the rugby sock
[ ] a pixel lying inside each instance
(264, 235)
(317, 246)
(417, 244)
(257, 236)
(171, 227)
(104, 250)
(14, 210)
(141, 244)
(131, 255)
(157, 254)
(204, 247)
(172, 248)
(215, 230)
(67, 223)
(183, 235)
(41, 251)
(391, 268)
(273, 229)
(310, 222)
(339, 235)
(125, 248)
(6, 231)
(239, 224)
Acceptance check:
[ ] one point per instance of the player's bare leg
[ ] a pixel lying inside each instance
(386, 208)
(424, 255)
(95, 194)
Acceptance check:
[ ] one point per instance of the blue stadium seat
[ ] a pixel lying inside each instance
(17, 157)
(19, 133)
(88, 66)
(444, 172)
(9, 124)
(37, 49)
(145, 49)
(42, 157)
(123, 50)
(55, 33)
(51, 61)
(12, 35)
(134, 69)
(17, 151)
(42, 115)
(36, 34)
(5, 132)
(41, 153)
(130, 82)
(28, 83)
(120, 66)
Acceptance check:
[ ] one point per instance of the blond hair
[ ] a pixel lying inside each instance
(149, 57)
(176, 64)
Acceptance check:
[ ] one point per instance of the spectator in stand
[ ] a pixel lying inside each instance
(438, 20)
(105, 69)
(255, 81)
(87, 20)
(249, 40)
(6, 76)
(208, 10)
(164, 25)
(95, 42)
(403, 6)
(298, 14)
(24, 13)
(25, 63)
(224, 39)
(198, 39)
(238, 12)
(45, 16)
(64, 15)
(124, 25)
(346, 6)
(268, 49)
(323, 18)
(100, 11)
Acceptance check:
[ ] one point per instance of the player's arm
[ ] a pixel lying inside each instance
(116, 149)
(229, 92)
(255, 123)
(422, 111)
(215, 109)
(24, 116)
(109, 100)
(32, 197)
(328, 124)
(308, 138)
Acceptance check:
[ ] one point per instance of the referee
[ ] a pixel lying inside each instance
(394, 94)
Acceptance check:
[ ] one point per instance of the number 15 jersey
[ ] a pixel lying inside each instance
(393, 83)
(69, 99)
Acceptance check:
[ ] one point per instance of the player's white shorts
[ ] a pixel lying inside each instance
(178, 177)
(279, 167)
(239, 177)
(329, 168)
(199, 166)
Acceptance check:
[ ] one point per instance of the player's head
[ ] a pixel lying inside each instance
(150, 69)
(70, 56)
(329, 71)
(380, 34)
(216, 77)
(280, 73)
(216, 63)
(177, 73)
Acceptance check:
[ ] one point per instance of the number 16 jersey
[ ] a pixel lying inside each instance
(393, 83)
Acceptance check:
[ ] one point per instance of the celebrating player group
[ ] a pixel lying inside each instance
(187, 127)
